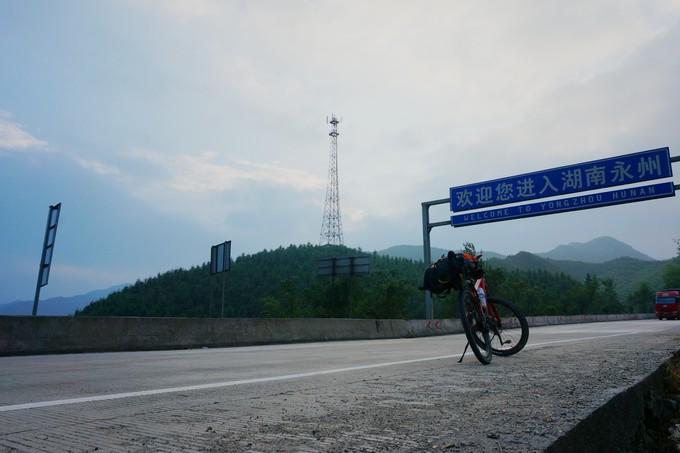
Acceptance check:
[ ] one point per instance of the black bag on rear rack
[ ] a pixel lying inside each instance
(443, 275)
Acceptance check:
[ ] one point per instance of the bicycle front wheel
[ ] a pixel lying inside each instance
(476, 326)
(509, 327)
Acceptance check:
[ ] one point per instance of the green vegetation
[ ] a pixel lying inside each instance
(626, 273)
(283, 283)
(671, 273)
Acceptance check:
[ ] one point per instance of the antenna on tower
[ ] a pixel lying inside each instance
(331, 226)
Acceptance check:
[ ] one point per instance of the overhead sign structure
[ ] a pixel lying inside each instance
(220, 257)
(344, 265)
(483, 202)
(587, 176)
(586, 201)
(47, 252)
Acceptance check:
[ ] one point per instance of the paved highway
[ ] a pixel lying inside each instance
(403, 394)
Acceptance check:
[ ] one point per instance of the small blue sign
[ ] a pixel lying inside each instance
(588, 201)
(587, 176)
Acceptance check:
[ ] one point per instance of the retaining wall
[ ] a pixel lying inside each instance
(622, 423)
(53, 334)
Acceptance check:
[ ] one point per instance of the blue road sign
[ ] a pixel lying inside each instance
(586, 201)
(587, 176)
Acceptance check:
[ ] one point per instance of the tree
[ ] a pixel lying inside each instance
(642, 299)
(671, 273)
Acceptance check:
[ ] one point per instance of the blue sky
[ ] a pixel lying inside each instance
(167, 126)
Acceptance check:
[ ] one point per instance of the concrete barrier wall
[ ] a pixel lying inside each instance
(49, 335)
(535, 321)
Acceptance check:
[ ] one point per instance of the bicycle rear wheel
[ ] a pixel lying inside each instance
(509, 327)
(476, 326)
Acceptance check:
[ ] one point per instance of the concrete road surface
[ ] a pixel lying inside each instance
(381, 395)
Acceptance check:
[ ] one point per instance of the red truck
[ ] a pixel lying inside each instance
(668, 303)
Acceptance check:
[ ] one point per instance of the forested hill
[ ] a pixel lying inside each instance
(281, 283)
(626, 273)
(284, 283)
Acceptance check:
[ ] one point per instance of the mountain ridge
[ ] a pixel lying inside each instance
(598, 250)
(415, 252)
(57, 306)
(604, 257)
(627, 273)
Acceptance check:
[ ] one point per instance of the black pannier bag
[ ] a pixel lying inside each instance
(444, 274)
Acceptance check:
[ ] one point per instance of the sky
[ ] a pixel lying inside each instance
(164, 127)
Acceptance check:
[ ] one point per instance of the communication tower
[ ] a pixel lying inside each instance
(331, 226)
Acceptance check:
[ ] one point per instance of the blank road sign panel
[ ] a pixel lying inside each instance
(54, 215)
(220, 257)
(345, 265)
(45, 276)
(48, 246)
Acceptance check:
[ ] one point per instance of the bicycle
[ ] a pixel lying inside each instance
(485, 319)
(493, 326)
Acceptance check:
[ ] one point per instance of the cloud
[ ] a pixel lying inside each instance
(186, 9)
(432, 96)
(14, 138)
(203, 173)
(96, 277)
(208, 189)
(353, 218)
(97, 166)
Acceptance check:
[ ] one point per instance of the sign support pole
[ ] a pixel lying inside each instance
(224, 279)
(40, 271)
(427, 249)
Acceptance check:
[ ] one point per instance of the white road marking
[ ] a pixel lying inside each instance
(533, 345)
(188, 388)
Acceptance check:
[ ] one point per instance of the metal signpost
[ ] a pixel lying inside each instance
(47, 252)
(589, 177)
(220, 262)
(344, 265)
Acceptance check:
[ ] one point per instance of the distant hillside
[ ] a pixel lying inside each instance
(56, 306)
(627, 273)
(274, 283)
(599, 250)
(284, 283)
(415, 252)
(527, 262)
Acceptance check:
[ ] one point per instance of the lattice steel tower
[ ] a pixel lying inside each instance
(331, 227)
